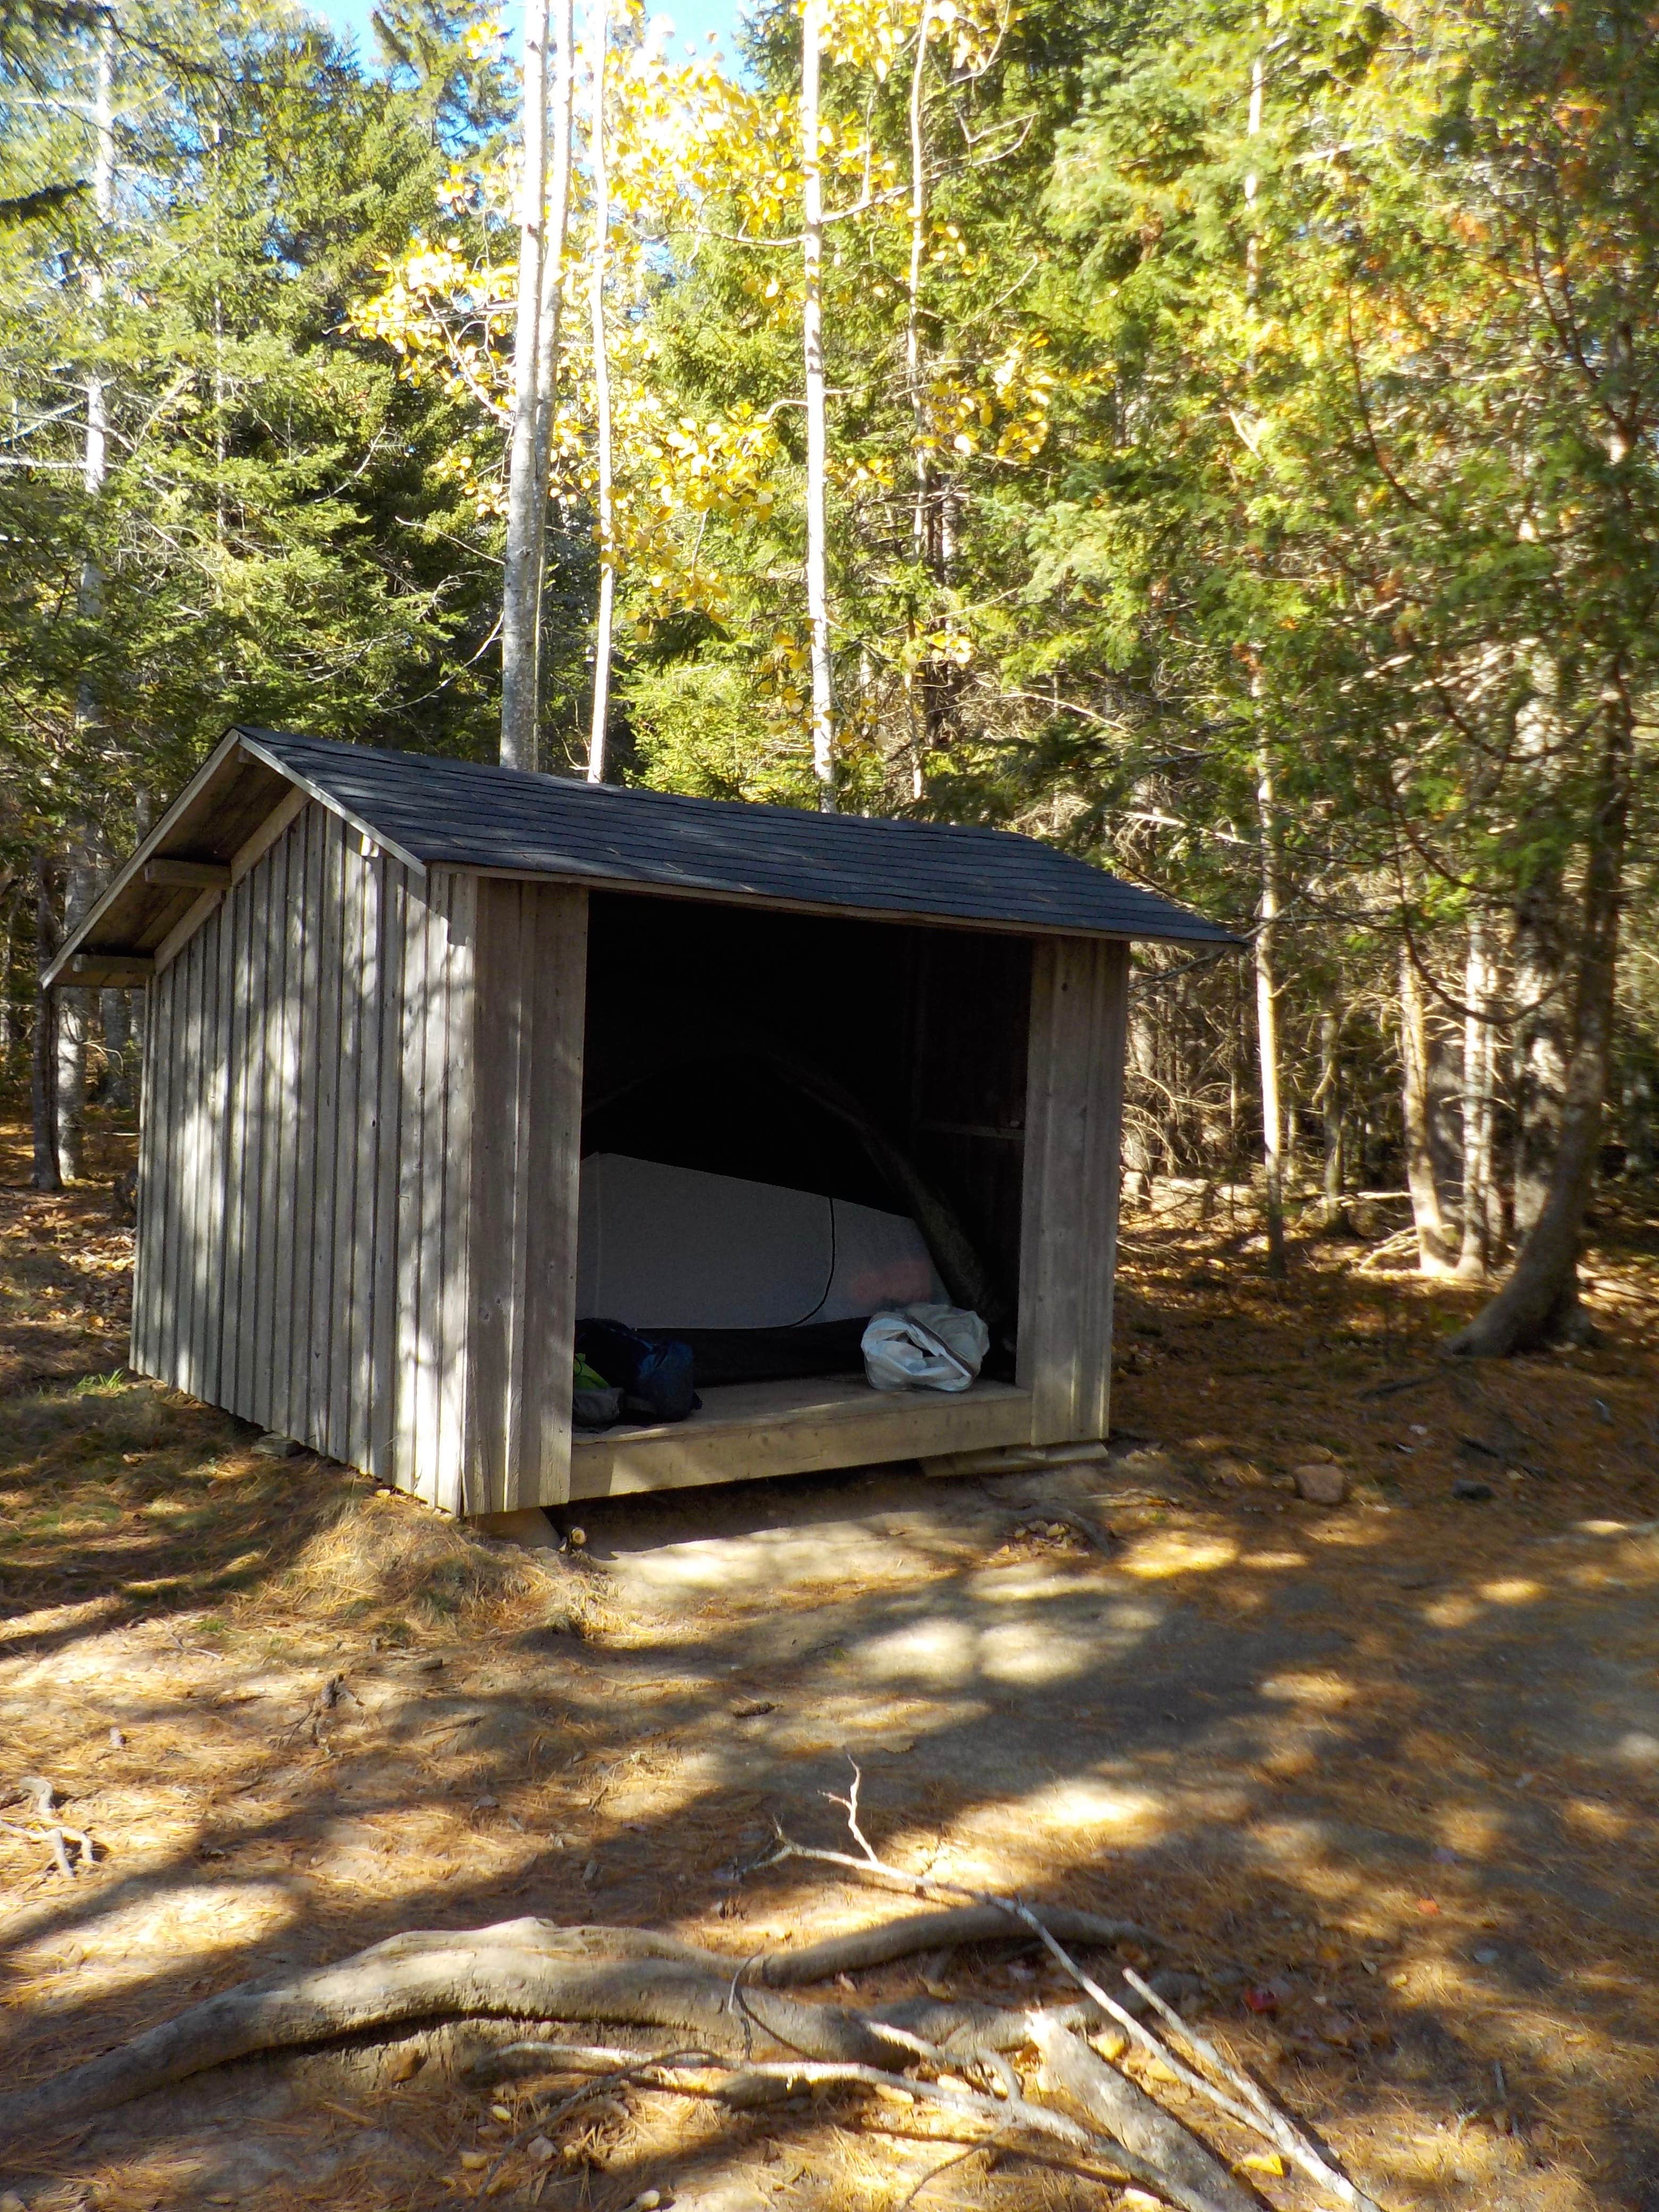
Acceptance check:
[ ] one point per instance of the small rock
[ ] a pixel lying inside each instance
(750, 1708)
(1476, 1492)
(117, 1742)
(273, 1446)
(11, 2202)
(1487, 1957)
(1320, 1484)
(591, 1872)
(539, 2149)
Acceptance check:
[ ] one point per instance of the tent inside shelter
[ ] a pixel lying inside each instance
(791, 1123)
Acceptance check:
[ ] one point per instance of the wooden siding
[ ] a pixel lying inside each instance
(533, 983)
(1068, 1245)
(306, 1160)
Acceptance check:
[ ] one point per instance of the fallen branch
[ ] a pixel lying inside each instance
(42, 1828)
(1256, 2112)
(928, 1931)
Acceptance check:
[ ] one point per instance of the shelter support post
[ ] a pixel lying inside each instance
(531, 971)
(1068, 1236)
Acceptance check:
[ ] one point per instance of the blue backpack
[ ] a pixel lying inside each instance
(654, 1376)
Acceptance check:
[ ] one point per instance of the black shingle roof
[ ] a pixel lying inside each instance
(450, 813)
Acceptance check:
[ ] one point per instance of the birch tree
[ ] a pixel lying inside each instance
(526, 511)
(811, 323)
(598, 157)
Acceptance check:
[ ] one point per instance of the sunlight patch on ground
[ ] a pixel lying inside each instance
(1135, 1815)
(131, 1942)
(1178, 1551)
(1328, 1692)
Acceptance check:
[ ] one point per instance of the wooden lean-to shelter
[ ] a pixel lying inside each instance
(394, 1000)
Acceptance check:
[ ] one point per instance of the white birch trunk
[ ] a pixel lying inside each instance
(1433, 1244)
(1266, 984)
(1266, 1014)
(526, 511)
(817, 594)
(918, 721)
(551, 305)
(75, 1006)
(600, 38)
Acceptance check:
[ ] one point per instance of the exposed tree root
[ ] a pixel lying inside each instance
(734, 2035)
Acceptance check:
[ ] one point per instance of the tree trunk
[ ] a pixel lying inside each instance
(1539, 1302)
(818, 591)
(913, 383)
(1541, 1046)
(8, 954)
(1266, 1014)
(549, 310)
(1433, 1242)
(115, 1020)
(1478, 1055)
(599, 33)
(1329, 1098)
(48, 1173)
(526, 512)
(74, 1022)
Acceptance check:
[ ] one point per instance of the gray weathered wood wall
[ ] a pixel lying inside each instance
(1074, 1130)
(360, 1154)
(306, 1184)
(531, 966)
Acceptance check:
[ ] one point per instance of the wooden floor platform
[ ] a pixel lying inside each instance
(749, 1430)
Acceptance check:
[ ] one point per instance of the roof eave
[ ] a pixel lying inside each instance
(117, 941)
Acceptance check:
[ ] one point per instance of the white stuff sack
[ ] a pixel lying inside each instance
(925, 1348)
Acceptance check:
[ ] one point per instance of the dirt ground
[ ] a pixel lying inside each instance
(1382, 1779)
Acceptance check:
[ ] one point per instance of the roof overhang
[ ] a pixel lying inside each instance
(250, 789)
(231, 811)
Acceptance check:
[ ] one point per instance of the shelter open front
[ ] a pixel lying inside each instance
(791, 1123)
(402, 1010)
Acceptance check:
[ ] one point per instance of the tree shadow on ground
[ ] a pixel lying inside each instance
(1387, 1773)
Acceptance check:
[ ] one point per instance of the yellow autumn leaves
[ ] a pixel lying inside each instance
(697, 155)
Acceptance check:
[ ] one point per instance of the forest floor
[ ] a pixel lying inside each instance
(1390, 1768)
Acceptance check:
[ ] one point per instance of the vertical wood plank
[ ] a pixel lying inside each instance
(345, 1365)
(137, 1329)
(494, 1188)
(411, 1011)
(551, 1130)
(1074, 1101)
(166, 1337)
(299, 1130)
(517, 1076)
(264, 983)
(287, 1074)
(204, 1162)
(324, 1317)
(221, 949)
(456, 1085)
(186, 1040)
(388, 1014)
(237, 1196)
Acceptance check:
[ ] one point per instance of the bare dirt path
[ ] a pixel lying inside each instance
(1383, 1777)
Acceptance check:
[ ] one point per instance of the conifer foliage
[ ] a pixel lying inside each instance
(1221, 439)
